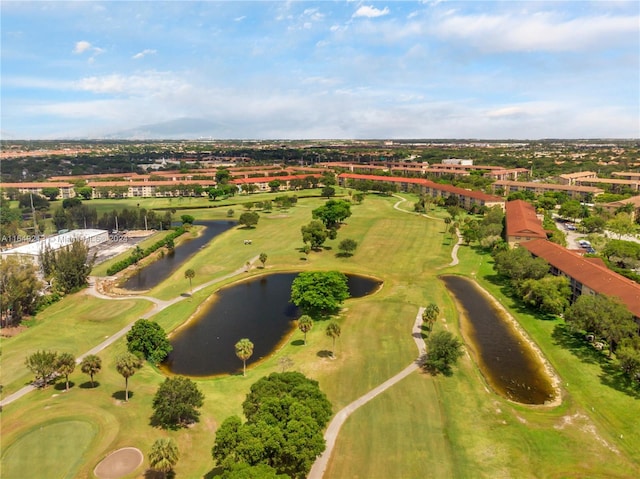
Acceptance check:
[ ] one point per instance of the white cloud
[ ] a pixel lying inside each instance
(144, 53)
(239, 19)
(147, 84)
(369, 11)
(81, 47)
(538, 32)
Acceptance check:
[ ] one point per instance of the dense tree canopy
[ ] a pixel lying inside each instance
(19, 287)
(443, 350)
(518, 264)
(149, 339)
(332, 213)
(176, 403)
(69, 266)
(315, 233)
(319, 292)
(42, 364)
(285, 414)
(549, 294)
(249, 219)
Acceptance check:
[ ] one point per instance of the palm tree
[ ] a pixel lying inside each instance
(164, 455)
(190, 274)
(263, 259)
(305, 323)
(65, 365)
(91, 365)
(244, 350)
(127, 365)
(430, 314)
(333, 331)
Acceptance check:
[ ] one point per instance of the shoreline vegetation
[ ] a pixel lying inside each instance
(452, 426)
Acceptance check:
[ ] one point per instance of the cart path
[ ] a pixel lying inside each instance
(454, 251)
(158, 305)
(331, 435)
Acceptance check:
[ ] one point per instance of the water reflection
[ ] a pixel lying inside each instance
(506, 360)
(258, 309)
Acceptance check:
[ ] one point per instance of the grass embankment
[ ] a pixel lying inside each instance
(450, 426)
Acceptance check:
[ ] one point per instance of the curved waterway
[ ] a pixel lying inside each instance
(506, 359)
(153, 274)
(258, 309)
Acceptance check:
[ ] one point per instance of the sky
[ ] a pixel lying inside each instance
(430, 69)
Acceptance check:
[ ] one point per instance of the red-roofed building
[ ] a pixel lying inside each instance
(262, 182)
(587, 276)
(522, 223)
(466, 198)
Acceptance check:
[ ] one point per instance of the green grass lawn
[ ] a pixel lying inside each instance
(442, 427)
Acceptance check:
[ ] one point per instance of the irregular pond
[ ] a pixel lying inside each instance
(506, 359)
(258, 309)
(156, 272)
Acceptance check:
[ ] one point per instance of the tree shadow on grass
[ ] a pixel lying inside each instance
(615, 378)
(297, 342)
(120, 395)
(88, 385)
(62, 385)
(324, 353)
(149, 474)
(215, 472)
(344, 255)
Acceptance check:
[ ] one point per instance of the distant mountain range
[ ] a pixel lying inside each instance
(180, 128)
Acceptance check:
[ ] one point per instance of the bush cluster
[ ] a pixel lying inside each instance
(136, 255)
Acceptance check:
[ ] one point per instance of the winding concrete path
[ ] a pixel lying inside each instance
(331, 434)
(454, 251)
(158, 305)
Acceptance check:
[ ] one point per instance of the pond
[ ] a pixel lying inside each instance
(506, 359)
(258, 309)
(156, 272)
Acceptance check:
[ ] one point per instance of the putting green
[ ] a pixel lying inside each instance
(58, 448)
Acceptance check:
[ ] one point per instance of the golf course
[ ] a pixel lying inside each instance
(423, 426)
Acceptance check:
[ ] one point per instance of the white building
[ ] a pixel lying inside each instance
(32, 251)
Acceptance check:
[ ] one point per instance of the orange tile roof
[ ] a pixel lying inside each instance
(39, 184)
(595, 276)
(479, 195)
(266, 179)
(522, 220)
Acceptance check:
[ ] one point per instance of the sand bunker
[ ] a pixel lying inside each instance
(119, 463)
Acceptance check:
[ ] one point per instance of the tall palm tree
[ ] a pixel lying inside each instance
(430, 315)
(305, 323)
(164, 455)
(190, 274)
(333, 331)
(91, 365)
(244, 350)
(127, 365)
(65, 365)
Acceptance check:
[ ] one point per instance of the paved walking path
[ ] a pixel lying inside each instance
(454, 252)
(158, 305)
(330, 436)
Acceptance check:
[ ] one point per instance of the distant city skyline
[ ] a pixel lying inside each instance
(319, 70)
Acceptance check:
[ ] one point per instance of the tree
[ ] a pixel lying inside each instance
(19, 288)
(518, 264)
(603, 315)
(430, 314)
(628, 355)
(549, 294)
(244, 350)
(51, 192)
(187, 219)
(263, 259)
(622, 224)
(176, 403)
(70, 265)
(333, 331)
(43, 365)
(243, 470)
(285, 414)
(443, 351)
(163, 456)
(91, 365)
(274, 185)
(347, 246)
(127, 364)
(328, 191)
(315, 233)
(65, 365)
(190, 274)
(571, 209)
(249, 219)
(319, 292)
(149, 339)
(305, 323)
(332, 213)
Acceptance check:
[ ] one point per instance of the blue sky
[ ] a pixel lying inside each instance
(328, 69)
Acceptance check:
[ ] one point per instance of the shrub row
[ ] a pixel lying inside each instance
(138, 254)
